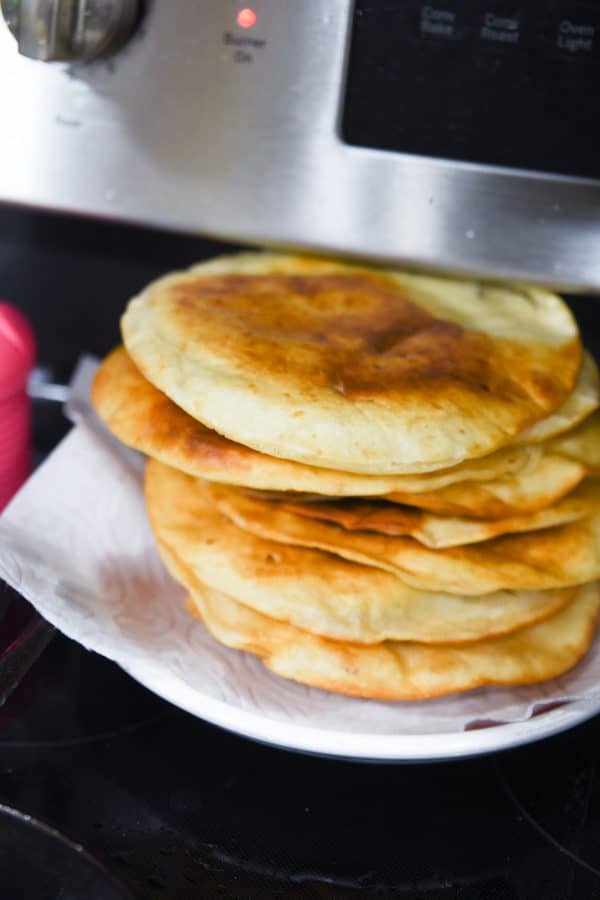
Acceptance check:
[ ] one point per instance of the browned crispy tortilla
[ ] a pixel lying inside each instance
(351, 368)
(517, 479)
(437, 531)
(396, 670)
(322, 592)
(553, 557)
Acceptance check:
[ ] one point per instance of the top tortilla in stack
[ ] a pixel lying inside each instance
(353, 369)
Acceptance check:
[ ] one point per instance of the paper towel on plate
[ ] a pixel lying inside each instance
(77, 544)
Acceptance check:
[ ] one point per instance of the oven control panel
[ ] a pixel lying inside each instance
(485, 81)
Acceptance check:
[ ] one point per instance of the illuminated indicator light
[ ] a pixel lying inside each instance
(246, 18)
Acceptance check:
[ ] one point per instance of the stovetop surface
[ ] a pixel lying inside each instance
(167, 806)
(175, 808)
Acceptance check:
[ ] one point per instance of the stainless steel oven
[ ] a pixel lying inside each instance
(458, 134)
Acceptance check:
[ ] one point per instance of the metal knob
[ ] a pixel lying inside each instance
(70, 29)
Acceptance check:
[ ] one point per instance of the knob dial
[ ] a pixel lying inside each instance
(70, 29)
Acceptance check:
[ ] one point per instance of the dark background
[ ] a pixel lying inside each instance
(175, 808)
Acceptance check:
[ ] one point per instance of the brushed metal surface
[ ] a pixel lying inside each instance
(199, 125)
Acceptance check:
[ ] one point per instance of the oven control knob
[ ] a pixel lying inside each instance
(70, 29)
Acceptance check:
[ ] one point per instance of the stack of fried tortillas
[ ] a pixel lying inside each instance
(383, 484)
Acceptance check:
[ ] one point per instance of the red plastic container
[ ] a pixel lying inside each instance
(17, 358)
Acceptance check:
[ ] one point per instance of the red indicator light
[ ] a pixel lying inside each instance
(246, 18)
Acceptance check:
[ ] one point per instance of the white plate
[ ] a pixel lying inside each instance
(367, 747)
(77, 544)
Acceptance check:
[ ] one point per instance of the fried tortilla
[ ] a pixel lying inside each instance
(351, 368)
(321, 592)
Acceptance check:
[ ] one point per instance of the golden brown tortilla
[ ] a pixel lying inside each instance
(438, 531)
(397, 670)
(350, 368)
(321, 592)
(538, 560)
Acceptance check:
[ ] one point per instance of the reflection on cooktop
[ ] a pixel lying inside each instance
(36, 861)
(559, 795)
(72, 697)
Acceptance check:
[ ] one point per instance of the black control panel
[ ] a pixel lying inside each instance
(486, 81)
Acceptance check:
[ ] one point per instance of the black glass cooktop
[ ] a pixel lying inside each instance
(38, 861)
(170, 807)
(133, 798)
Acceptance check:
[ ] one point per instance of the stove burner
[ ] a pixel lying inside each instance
(38, 862)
